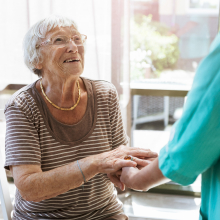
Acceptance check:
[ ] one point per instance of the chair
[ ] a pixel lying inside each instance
(162, 115)
(6, 204)
(4, 192)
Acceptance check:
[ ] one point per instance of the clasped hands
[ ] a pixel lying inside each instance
(126, 174)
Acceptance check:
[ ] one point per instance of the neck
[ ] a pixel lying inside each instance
(62, 92)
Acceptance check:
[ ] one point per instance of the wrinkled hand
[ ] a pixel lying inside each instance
(115, 179)
(146, 161)
(112, 161)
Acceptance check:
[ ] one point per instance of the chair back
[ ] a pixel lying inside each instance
(6, 203)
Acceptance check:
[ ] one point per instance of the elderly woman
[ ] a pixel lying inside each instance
(65, 133)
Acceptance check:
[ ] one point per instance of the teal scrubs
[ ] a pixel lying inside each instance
(194, 145)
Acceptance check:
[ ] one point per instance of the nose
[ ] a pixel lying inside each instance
(72, 47)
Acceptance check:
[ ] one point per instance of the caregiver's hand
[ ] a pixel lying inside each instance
(144, 179)
(141, 162)
(130, 176)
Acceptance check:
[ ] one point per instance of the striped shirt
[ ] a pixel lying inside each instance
(30, 140)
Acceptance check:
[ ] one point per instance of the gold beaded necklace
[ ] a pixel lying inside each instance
(63, 109)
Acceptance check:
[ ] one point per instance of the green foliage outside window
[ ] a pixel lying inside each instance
(152, 46)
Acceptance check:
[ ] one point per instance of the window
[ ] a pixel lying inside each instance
(204, 6)
(168, 40)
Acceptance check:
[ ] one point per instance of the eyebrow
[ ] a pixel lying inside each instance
(61, 33)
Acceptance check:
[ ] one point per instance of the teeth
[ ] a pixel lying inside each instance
(70, 60)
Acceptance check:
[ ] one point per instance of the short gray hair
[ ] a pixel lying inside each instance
(34, 36)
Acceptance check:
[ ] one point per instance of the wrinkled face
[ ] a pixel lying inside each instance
(62, 60)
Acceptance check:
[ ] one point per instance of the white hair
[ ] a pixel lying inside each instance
(34, 36)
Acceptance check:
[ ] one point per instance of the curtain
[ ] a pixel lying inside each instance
(93, 18)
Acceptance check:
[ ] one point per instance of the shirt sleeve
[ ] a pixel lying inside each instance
(194, 144)
(22, 141)
(118, 133)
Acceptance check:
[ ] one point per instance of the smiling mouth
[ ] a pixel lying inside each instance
(71, 60)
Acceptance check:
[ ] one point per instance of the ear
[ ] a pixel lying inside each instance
(38, 66)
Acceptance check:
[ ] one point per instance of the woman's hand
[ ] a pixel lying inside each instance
(115, 179)
(112, 161)
(145, 162)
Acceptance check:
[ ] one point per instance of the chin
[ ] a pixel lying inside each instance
(74, 72)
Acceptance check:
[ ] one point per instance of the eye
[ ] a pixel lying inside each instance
(77, 39)
(59, 40)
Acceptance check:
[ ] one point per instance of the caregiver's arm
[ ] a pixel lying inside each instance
(143, 179)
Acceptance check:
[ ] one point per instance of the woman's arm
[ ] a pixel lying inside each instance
(35, 185)
(144, 179)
